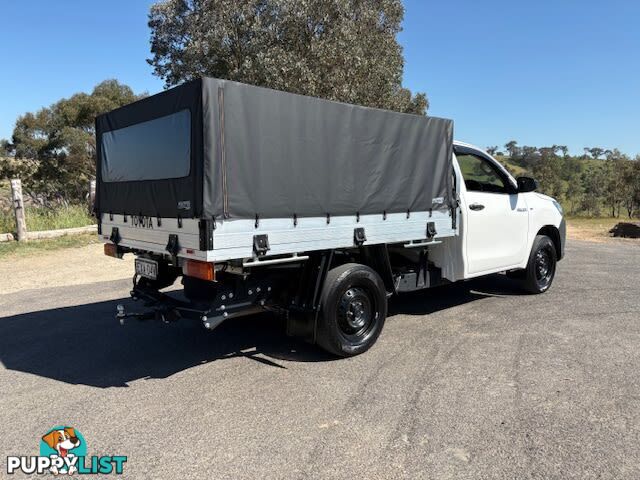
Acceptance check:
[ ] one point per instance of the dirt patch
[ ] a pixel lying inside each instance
(595, 230)
(587, 234)
(77, 266)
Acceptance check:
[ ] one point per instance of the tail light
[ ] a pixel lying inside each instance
(201, 270)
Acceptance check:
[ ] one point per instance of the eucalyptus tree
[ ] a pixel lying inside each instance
(345, 50)
(53, 149)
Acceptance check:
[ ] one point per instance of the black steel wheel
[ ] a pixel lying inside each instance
(356, 313)
(353, 309)
(541, 268)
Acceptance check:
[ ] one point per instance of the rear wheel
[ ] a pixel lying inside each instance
(541, 268)
(353, 308)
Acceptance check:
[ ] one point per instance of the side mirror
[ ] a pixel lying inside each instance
(526, 184)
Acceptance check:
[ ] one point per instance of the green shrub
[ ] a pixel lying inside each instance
(42, 218)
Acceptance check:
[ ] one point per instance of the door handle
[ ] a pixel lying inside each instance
(476, 206)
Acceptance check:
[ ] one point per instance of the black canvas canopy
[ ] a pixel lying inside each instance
(216, 148)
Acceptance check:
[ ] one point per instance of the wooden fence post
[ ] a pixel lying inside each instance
(92, 195)
(18, 208)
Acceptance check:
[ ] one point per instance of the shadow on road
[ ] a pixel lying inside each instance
(85, 345)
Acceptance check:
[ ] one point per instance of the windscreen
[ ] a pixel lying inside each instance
(153, 150)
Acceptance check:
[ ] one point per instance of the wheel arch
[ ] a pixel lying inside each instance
(553, 233)
(376, 257)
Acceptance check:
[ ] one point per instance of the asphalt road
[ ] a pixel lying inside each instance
(470, 381)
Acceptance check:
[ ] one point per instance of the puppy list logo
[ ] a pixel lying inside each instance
(63, 450)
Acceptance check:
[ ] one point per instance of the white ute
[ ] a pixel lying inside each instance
(329, 275)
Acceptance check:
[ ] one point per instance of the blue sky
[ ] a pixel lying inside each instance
(544, 72)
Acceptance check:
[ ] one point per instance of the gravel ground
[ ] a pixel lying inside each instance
(469, 381)
(65, 267)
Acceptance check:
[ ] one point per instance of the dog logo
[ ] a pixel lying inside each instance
(63, 450)
(62, 441)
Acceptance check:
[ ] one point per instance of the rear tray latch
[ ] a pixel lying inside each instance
(261, 244)
(358, 236)
(431, 229)
(115, 235)
(173, 247)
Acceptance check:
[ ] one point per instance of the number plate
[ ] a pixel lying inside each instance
(147, 268)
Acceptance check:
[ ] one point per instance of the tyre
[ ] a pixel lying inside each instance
(353, 308)
(541, 268)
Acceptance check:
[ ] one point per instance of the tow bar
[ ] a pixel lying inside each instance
(160, 306)
(170, 314)
(163, 316)
(167, 309)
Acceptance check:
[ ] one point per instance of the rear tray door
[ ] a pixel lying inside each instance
(152, 234)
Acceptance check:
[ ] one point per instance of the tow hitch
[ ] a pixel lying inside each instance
(160, 306)
(167, 309)
(165, 316)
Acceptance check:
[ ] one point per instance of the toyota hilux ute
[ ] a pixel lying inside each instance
(318, 211)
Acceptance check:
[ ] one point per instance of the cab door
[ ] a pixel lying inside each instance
(496, 216)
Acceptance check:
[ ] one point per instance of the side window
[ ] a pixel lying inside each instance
(480, 175)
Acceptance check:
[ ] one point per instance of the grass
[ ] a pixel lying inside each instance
(41, 218)
(8, 249)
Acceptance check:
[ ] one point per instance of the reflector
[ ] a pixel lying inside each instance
(111, 250)
(201, 270)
